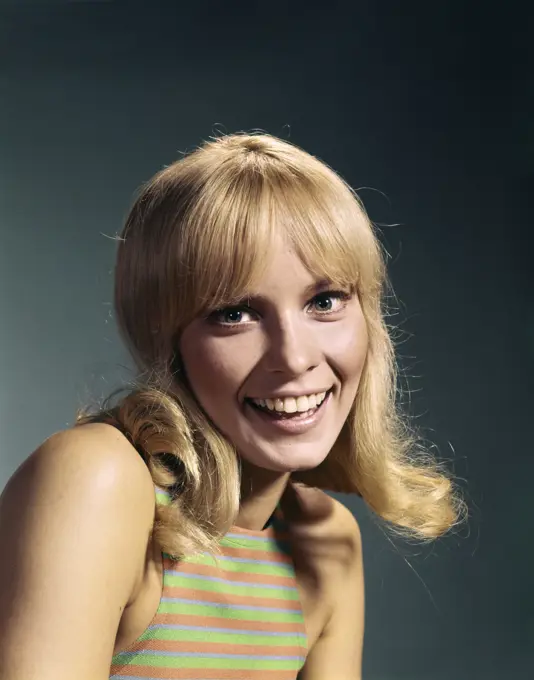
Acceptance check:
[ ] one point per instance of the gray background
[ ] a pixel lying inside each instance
(431, 107)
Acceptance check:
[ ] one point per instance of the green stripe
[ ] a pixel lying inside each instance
(163, 498)
(217, 663)
(271, 545)
(230, 637)
(230, 588)
(243, 567)
(234, 613)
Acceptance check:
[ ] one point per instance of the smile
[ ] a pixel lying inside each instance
(287, 417)
(300, 404)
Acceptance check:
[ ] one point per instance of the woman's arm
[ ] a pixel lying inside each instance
(74, 525)
(337, 654)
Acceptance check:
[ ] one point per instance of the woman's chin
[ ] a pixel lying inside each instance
(285, 464)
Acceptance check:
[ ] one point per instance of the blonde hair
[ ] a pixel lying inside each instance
(196, 238)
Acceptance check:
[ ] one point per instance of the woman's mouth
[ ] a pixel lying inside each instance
(291, 413)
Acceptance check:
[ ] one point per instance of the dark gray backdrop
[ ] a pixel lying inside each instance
(429, 104)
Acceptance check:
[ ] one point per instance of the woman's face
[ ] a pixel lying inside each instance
(261, 370)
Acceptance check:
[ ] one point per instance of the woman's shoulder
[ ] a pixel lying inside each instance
(92, 463)
(75, 525)
(313, 514)
(327, 555)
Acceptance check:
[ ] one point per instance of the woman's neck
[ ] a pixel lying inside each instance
(261, 491)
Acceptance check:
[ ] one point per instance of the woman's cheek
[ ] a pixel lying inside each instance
(221, 365)
(346, 344)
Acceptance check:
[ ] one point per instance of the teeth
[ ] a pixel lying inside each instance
(292, 404)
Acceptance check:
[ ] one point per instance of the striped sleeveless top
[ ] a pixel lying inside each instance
(236, 616)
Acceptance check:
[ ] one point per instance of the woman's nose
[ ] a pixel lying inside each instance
(292, 348)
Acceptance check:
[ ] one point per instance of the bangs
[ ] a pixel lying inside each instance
(231, 228)
(325, 225)
(226, 236)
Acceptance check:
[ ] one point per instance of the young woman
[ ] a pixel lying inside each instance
(184, 531)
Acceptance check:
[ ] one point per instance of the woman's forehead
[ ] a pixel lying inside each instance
(240, 254)
(282, 263)
(278, 277)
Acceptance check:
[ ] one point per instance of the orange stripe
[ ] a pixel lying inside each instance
(201, 673)
(220, 648)
(225, 598)
(208, 570)
(219, 622)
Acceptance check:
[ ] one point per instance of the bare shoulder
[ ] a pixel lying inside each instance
(93, 463)
(91, 471)
(75, 521)
(328, 548)
(94, 446)
(91, 459)
(316, 515)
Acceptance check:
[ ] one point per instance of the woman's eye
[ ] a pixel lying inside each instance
(330, 302)
(230, 316)
(323, 304)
